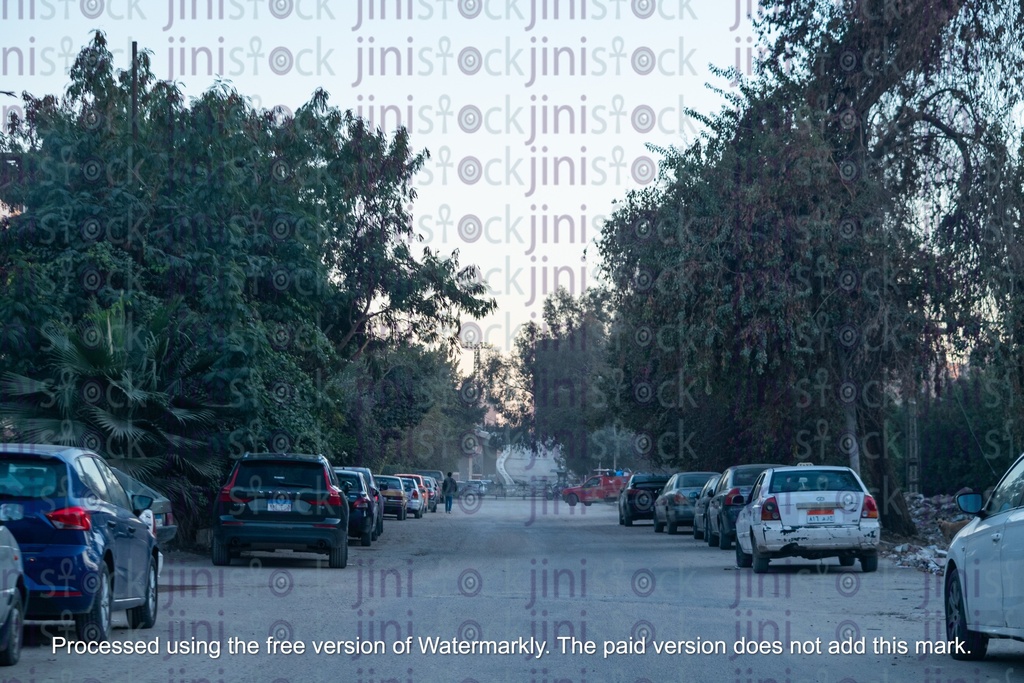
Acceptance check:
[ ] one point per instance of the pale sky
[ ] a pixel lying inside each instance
(536, 113)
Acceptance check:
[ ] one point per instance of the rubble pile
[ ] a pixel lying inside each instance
(927, 550)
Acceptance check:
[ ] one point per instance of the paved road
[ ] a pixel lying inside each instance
(506, 570)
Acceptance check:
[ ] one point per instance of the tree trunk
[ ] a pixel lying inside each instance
(894, 514)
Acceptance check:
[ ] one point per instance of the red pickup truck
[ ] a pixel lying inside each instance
(597, 488)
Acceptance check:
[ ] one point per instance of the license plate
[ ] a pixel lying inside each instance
(272, 506)
(820, 517)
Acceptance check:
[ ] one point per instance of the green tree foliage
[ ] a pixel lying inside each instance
(285, 242)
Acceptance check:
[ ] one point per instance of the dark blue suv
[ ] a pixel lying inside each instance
(86, 552)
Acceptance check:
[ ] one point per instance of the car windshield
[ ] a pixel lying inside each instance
(690, 481)
(32, 478)
(745, 477)
(409, 484)
(649, 482)
(260, 474)
(392, 482)
(814, 480)
(350, 478)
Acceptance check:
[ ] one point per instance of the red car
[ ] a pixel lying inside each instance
(599, 487)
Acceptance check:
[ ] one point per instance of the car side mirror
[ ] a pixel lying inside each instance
(693, 495)
(971, 503)
(384, 486)
(376, 492)
(347, 486)
(140, 503)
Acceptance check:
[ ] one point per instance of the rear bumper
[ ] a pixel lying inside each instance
(282, 535)
(60, 579)
(680, 514)
(781, 541)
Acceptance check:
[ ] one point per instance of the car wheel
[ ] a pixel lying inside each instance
(402, 515)
(975, 643)
(586, 503)
(758, 561)
(847, 561)
(94, 625)
(219, 553)
(724, 537)
(626, 519)
(144, 616)
(622, 522)
(698, 534)
(14, 628)
(658, 526)
(743, 560)
(671, 527)
(366, 538)
(338, 557)
(712, 539)
(572, 499)
(419, 513)
(869, 563)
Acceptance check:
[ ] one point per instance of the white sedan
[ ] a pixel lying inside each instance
(983, 586)
(808, 511)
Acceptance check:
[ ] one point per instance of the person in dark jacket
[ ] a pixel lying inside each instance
(448, 489)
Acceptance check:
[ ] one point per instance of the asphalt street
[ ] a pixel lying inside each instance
(529, 591)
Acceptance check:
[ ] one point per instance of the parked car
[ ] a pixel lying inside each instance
(416, 501)
(13, 593)
(85, 550)
(378, 502)
(473, 486)
(637, 498)
(275, 501)
(674, 506)
(433, 491)
(362, 510)
(597, 488)
(392, 492)
(163, 516)
(421, 484)
(700, 506)
(730, 496)
(982, 575)
(437, 475)
(810, 512)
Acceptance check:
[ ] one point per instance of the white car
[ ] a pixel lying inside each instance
(811, 512)
(12, 588)
(983, 587)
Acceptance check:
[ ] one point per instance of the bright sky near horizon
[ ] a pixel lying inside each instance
(536, 113)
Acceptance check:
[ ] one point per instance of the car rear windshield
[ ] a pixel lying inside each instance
(273, 474)
(745, 477)
(32, 477)
(649, 482)
(392, 482)
(814, 480)
(691, 481)
(351, 477)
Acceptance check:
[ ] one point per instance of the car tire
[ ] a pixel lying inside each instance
(627, 520)
(975, 643)
(572, 499)
(658, 526)
(419, 513)
(144, 616)
(671, 527)
(847, 561)
(338, 557)
(724, 537)
(712, 539)
(94, 625)
(219, 553)
(758, 561)
(869, 563)
(743, 560)
(366, 539)
(402, 515)
(15, 630)
(698, 534)
(586, 504)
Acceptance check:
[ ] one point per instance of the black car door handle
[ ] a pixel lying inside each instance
(131, 531)
(112, 523)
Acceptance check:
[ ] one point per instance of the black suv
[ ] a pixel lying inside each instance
(378, 528)
(363, 509)
(275, 501)
(637, 500)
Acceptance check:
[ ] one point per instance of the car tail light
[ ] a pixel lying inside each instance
(870, 508)
(228, 496)
(361, 502)
(734, 497)
(680, 498)
(333, 497)
(72, 519)
(770, 510)
(415, 494)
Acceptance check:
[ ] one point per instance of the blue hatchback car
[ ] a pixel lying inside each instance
(86, 552)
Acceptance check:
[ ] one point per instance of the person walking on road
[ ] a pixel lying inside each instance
(448, 489)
